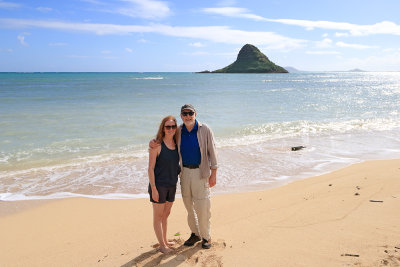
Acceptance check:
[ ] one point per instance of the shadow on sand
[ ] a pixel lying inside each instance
(181, 255)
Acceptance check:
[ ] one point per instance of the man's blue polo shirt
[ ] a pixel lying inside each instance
(190, 149)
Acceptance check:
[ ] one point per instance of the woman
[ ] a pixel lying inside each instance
(163, 176)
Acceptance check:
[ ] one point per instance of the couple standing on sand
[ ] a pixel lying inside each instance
(192, 146)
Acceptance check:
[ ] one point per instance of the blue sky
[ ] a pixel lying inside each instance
(196, 35)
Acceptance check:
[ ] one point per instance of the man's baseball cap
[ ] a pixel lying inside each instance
(188, 106)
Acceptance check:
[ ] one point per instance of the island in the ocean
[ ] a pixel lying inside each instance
(250, 60)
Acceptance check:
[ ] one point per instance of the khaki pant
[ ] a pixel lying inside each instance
(196, 197)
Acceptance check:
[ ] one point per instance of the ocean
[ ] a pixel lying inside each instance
(86, 134)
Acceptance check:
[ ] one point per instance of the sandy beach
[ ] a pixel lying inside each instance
(350, 217)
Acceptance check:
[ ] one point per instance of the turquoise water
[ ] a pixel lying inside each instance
(65, 134)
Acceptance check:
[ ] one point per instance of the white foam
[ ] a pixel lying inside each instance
(4, 159)
(282, 178)
(79, 162)
(260, 182)
(148, 78)
(242, 167)
(17, 197)
(253, 134)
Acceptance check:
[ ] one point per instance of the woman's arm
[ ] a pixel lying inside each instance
(153, 153)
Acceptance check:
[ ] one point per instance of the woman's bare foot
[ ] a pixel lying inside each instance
(170, 243)
(164, 250)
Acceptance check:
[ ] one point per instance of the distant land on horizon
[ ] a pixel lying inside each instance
(288, 68)
(250, 60)
(293, 69)
(357, 70)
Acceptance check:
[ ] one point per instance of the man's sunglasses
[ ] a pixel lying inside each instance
(190, 113)
(169, 127)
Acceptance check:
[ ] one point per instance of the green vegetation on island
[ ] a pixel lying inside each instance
(250, 60)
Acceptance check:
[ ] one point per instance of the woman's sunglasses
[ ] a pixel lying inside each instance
(169, 127)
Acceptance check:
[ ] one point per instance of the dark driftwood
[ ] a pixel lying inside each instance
(295, 148)
(351, 255)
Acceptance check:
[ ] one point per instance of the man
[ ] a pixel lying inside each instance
(198, 158)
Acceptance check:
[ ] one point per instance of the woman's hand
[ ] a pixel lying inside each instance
(154, 194)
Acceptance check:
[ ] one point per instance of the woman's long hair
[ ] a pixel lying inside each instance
(161, 132)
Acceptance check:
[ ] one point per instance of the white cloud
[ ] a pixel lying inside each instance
(129, 50)
(148, 9)
(8, 50)
(384, 27)
(219, 34)
(234, 12)
(325, 43)
(21, 39)
(100, 29)
(389, 50)
(283, 46)
(9, 5)
(323, 52)
(44, 9)
(341, 34)
(328, 43)
(143, 41)
(355, 46)
(197, 44)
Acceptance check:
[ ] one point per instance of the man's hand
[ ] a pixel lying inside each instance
(213, 179)
(153, 144)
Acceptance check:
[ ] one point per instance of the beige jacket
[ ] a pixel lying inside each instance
(207, 149)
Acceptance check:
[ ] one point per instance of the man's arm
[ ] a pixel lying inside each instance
(212, 150)
(212, 153)
(153, 144)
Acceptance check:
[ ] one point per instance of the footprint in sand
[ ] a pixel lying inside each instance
(207, 257)
(392, 257)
